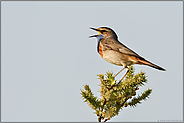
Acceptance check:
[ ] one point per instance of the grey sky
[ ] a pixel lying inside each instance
(47, 57)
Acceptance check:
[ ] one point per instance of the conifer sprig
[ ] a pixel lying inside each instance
(115, 95)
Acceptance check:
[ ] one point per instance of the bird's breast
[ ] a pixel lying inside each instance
(100, 49)
(115, 57)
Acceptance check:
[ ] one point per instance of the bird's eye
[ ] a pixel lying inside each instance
(103, 31)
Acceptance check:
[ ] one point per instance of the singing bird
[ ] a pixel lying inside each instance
(113, 51)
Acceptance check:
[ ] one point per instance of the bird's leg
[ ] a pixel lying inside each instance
(119, 72)
(127, 70)
(124, 66)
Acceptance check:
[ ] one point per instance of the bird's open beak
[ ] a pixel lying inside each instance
(95, 30)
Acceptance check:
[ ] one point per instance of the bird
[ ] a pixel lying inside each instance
(113, 51)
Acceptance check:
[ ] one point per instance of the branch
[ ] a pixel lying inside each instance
(100, 117)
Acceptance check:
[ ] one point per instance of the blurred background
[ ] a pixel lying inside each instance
(47, 57)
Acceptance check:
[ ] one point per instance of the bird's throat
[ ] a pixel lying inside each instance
(99, 47)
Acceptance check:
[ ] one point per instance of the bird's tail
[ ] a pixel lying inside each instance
(145, 62)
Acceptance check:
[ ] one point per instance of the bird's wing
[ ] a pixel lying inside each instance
(110, 44)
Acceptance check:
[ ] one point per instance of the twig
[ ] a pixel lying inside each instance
(124, 102)
(105, 120)
(100, 117)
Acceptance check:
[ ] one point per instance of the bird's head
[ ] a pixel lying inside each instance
(104, 32)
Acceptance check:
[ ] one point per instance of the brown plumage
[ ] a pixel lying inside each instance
(117, 53)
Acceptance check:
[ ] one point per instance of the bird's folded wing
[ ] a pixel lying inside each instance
(118, 46)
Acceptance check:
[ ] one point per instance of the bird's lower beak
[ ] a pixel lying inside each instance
(93, 36)
(95, 30)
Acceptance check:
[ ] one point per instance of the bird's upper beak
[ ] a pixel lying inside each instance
(95, 30)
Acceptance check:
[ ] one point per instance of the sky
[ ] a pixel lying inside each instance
(47, 57)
